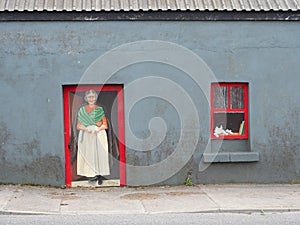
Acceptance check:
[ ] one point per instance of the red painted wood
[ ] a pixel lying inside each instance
(246, 96)
(120, 97)
(121, 137)
(229, 110)
(67, 136)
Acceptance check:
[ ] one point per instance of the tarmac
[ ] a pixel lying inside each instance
(234, 198)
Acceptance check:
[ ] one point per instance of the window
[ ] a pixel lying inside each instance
(229, 111)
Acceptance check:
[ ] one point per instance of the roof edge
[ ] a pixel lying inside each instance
(151, 16)
(153, 10)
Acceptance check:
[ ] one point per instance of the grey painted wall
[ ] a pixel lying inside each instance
(38, 58)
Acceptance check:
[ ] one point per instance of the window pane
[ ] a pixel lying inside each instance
(237, 97)
(220, 97)
(231, 123)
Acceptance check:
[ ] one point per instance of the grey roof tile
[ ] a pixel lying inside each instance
(146, 5)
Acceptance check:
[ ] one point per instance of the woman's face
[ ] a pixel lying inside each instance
(91, 99)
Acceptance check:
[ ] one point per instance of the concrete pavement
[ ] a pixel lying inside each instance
(22, 199)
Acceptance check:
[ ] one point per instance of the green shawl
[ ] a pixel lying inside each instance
(90, 119)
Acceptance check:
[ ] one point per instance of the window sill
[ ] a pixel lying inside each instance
(224, 137)
(231, 157)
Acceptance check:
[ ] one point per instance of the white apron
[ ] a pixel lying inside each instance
(92, 156)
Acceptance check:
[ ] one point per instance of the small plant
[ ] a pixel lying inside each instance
(295, 181)
(188, 181)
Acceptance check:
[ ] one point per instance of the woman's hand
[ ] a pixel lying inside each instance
(98, 129)
(90, 129)
(82, 127)
(102, 125)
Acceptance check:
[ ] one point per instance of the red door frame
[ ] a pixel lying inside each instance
(120, 97)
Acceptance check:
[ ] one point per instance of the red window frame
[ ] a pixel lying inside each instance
(67, 126)
(228, 109)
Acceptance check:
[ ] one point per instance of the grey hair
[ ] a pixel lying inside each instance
(90, 92)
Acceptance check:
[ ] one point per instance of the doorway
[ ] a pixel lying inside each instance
(111, 99)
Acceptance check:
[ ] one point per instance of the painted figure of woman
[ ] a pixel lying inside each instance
(92, 155)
